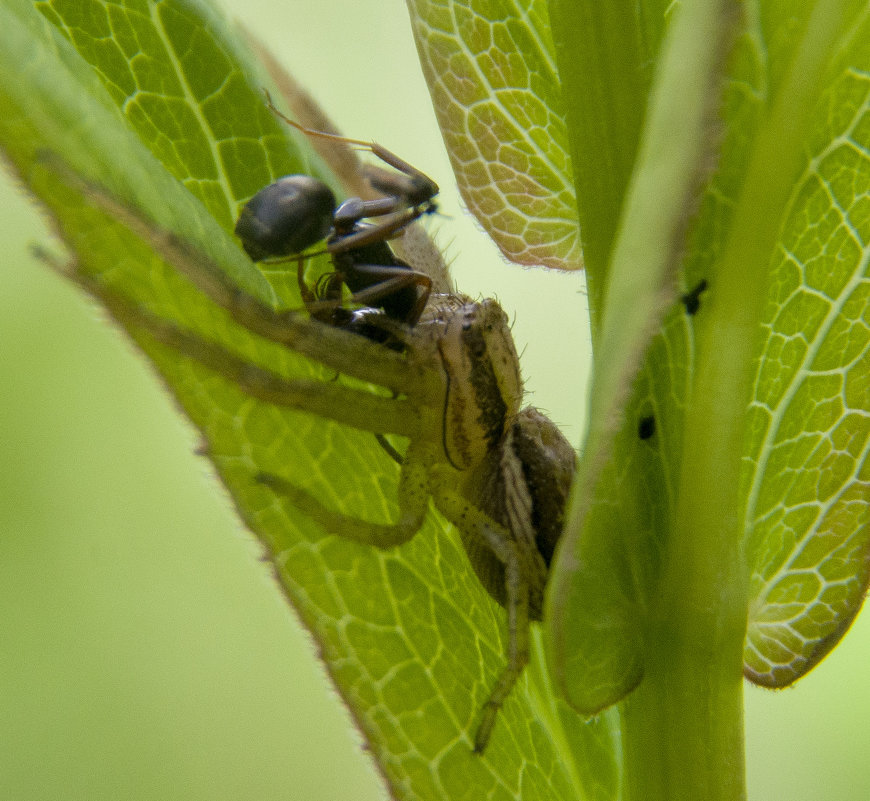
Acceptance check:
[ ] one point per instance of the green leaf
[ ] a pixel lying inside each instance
(609, 560)
(606, 53)
(491, 70)
(156, 103)
(805, 478)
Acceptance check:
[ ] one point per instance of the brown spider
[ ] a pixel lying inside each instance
(500, 474)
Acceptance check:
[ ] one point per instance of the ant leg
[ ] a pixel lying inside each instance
(322, 312)
(392, 280)
(308, 297)
(354, 209)
(325, 300)
(376, 232)
(419, 188)
(413, 496)
(322, 302)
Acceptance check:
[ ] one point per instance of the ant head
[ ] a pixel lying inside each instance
(411, 189)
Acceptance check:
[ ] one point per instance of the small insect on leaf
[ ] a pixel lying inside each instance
(646, 427)
(692, 300)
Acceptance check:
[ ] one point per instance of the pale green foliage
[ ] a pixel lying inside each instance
(491, 70)
(541, 103)
(805, 476)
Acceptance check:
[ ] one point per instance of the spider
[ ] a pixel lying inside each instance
(500, 474)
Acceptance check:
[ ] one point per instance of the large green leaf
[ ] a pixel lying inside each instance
(491, 70)
(154, 102)
(805, 478)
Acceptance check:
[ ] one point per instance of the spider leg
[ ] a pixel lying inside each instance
(470, 519)
(518, 649)
(359, 409)
(413, 497)
(359, 359)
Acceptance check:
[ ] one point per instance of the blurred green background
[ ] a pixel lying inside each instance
(146, 652)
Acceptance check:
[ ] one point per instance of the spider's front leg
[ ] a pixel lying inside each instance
(362, 410)
(354, 357)
(359, 409)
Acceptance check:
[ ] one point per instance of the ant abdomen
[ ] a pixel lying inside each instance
(286, 217)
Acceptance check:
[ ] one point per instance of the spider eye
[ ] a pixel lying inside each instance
(286, 217)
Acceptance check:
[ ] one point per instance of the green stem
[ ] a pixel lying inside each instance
(684, 724)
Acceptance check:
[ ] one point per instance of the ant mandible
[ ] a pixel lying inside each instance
(290, 215)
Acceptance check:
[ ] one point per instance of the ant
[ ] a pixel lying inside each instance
(692, 300)
(290, 215)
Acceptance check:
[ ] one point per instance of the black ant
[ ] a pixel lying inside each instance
(692, 300)
(290, 215)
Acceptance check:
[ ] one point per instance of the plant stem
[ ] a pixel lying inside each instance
(684, 733)
(683, 725)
